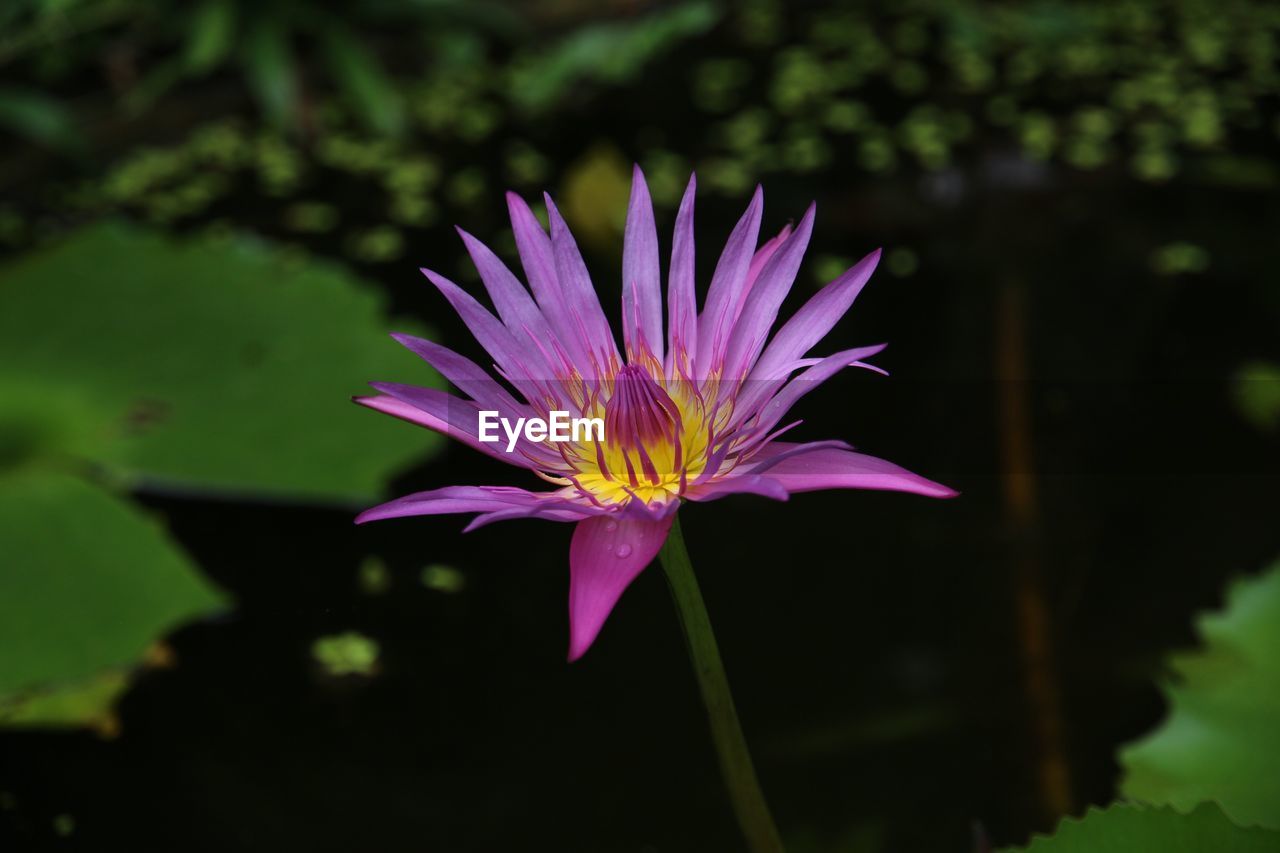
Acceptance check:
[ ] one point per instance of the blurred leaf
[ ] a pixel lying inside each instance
(87, 703)
(87, 584)
(1257, 391)
(210, 35)
(1221, 741)
(157, 82)
(39, 118)
(596, 189)
(443, 578)
(373, 576)
(1136, 829)
(44, 420)
(1179, 258)
(369, 92)
(612, 52)
(211, 365)
(269, 66)
(349, 653)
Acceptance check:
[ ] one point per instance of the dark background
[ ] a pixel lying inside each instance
(912, 674)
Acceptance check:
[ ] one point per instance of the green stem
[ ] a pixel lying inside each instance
(735, 761)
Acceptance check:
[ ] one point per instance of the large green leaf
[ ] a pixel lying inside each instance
(1221, 741)
(214, 365)
(87, 583)
(1138, 829)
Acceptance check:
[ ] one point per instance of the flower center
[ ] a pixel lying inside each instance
(654, 442)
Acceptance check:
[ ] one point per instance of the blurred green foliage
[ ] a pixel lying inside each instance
(348, 653)
(1138, 829)
(1221, 741)
(274, 45)
(204, 364)
(607, 52)
(1090, 84)
(1256, 388)
(88, 584)
(130, 360)
(443, 578)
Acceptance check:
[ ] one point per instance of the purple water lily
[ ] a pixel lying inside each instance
(694, 414)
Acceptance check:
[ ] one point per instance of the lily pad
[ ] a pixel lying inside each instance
(1221, 741)
(1138, 829)
(87, 585)
(216, 365)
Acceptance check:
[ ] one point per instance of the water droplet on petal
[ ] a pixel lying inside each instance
(624, 550)
(610, 525)
(608, 546)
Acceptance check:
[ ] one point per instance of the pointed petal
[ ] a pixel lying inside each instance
(538, 260)
(727, 284)
(641, 284)
(580, 297)
(760, 258)
(834, 468)
(515, 306)
(682, 305)
(521, 365)
(568, 512)
(758, 389)
(776, 452)
(455, 499)
(811, 323)
(775, 409)
(467, 376)
(604, 558)
(459, 419)
(751, 484)
(760, 310)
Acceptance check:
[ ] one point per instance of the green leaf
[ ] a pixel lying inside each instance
(79, 704)
(87, 584)
(349, 653)
(611, 52)
(39, 118)
(1137, 829)
(219, 366)
(366, 86)
(1221, 740)
(211, 35)
(269, 66)
(1256, 388)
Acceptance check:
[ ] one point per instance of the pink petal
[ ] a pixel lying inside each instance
(758, 261)
(727, 284)
(774, 410)
(458, 419)
(758, 390)
(605, 556)
(581, 301)
(539, 263)
(682, 306)
(760, 310)
(514, 304)
(641, 285)
(455, 499)
(833, 468)
(751, 484)
(512, 359)
(812, 322)
(467, 376)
